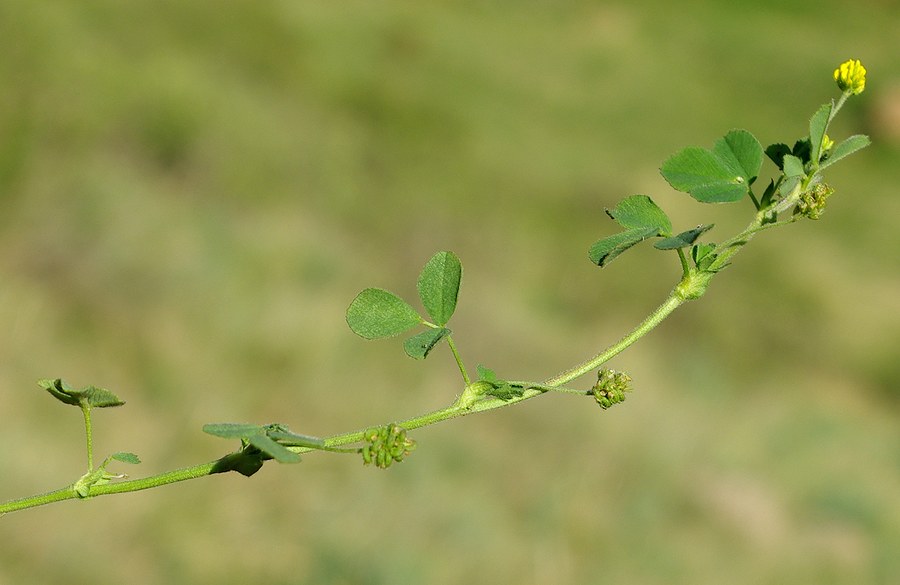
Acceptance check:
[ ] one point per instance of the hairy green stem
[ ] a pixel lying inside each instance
(656, 317)
(89, 433)
(132, 485)
(692, 285)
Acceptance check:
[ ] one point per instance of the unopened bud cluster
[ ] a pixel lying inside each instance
(610, 388)
(812, 201)
(386, 445)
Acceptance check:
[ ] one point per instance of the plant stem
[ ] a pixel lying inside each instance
(725, 251)
(133, 485)
(459, 362)
(89, 433)
(656, 317)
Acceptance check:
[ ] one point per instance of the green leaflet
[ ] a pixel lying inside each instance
(125, 457)
(377, 313)
(684, 239)
(420, 345)
(846, 148)
(438, 286)
(268, 439)
(641, 218)
(818, 125)
(639, 212)
(606, 250)
(721, 175)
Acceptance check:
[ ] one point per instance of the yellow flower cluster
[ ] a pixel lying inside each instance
(851, 76)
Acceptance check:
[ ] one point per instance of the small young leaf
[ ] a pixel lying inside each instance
(845, 148)
(377, 313)
(124, 457)
(640, 212)
(766, 198)
(485, 373)
(703, 255)
(606, 250)
(776, 152)
(802, 150)
(278, 452)
(439, 286)
(489, 385)
(505, 391)
(684, 239)
(818, 125)
(420, 345)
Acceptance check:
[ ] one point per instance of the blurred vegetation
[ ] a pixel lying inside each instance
(192, 192)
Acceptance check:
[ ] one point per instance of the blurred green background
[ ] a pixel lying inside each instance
(192, 192)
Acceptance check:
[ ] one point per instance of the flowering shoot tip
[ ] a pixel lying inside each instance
(851, 77)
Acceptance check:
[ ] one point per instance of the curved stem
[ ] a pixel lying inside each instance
(691, 282)
(656, 317)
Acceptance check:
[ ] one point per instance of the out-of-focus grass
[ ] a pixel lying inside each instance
(192, 193)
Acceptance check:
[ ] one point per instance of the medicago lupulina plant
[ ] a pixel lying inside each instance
(725, 173)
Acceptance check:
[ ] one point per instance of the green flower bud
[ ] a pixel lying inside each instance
(812, 201)
(610, 388)
(386, 445)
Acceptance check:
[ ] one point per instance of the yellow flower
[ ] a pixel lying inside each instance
(851, 76)
(827, 143)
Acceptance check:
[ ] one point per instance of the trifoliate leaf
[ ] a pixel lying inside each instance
(277, 432)
(606, 250)
(684, 239)
(262, 437)
(89, 396)
(720, 175)
(377, 313)
(420, 345)
(438, 286)
(125, 457)
(640, 212)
